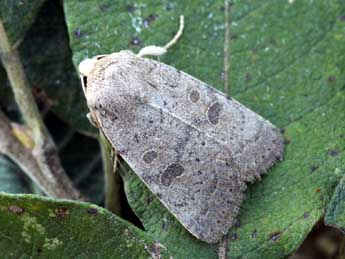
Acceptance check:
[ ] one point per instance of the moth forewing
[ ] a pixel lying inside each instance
(190, 144)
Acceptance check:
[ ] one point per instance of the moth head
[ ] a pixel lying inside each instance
(86, 67)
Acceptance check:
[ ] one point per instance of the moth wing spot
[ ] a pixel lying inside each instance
(170, 173)
(213, 112)
(194, 96)
(149, 156)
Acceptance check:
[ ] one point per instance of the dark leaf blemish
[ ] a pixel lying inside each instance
(78, 33)
(92, 211)
(135, 41)
(332, 79)
(313, 168)
(130, 8)
(103, 7)
(62, 212)
(275, 236)
(248, 77)
(333, 152)
(16, 209)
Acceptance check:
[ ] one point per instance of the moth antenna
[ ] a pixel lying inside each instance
(177, 35)
(159, 51)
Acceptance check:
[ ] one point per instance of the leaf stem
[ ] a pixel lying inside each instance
(44, 150)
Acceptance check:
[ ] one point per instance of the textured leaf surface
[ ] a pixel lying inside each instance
(36, 227)
(335, 213)
(286, 63)
(18, 16)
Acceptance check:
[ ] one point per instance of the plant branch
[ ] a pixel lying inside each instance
(11, 146)
(44, 149)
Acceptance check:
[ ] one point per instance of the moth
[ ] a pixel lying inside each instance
(194, 147)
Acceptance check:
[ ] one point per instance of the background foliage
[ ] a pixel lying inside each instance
(287, 63)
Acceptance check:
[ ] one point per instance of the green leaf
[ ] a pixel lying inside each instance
(18, 16)
(286, 63)
(37, 227)
(12, 179)
(335, 213)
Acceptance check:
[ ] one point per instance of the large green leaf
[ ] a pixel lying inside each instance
(286, 63)
(37, 227)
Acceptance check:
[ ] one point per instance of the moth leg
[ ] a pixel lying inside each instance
(92, 120)
(157, 50)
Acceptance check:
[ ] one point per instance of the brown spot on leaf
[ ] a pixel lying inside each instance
(313, 168)
(62, 212)
(92, 211)
(332, 79)
(248, 77)
(130, 8)
(237, 223)
(333, 152)
(213, 113)
(78, 33)
(103, 7)
(16, 209)
(149, 19)
(233, 236)
(275, 236)
(150, 156)
(135, 41)
(170, 173)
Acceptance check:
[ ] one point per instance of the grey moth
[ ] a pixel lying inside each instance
(194, 147)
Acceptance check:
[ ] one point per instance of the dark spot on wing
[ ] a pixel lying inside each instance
(150, 156)
(170, 173)
(194, 96)
(213, 113)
